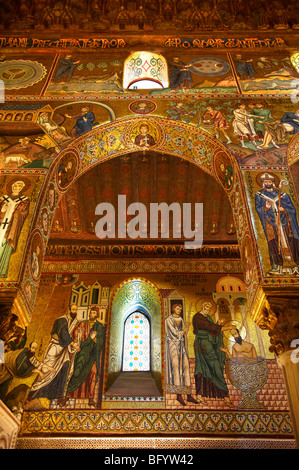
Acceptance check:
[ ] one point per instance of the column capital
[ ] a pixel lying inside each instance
(279, 314)
(286, 358)
(13, 311)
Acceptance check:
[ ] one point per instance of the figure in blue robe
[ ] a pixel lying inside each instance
(244, 68)
(85, 121)
(279, 223)
(180, 76)
(293, 120)
(66, 69)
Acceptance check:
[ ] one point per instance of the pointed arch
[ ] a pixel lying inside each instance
(134, 294)
(165, 136)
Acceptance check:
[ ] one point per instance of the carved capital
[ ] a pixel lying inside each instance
(9, 428)
(266, 319)
(280, 315)
(8, 318)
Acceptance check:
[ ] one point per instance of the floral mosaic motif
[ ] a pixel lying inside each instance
(145, 65)
(111, 422)
(102, 144)
(118, 138)
(293, 150)
(139, 266)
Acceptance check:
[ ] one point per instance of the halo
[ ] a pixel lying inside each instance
(220, 162)
(260, 183)
(134, 106)
(37, 241)
(20, 178)
(145, 123)
(202, 300)
(239, 326)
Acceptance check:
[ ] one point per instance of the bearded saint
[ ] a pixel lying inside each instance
(14, 209)
(279, 220)
(90, 334)
(209, 356)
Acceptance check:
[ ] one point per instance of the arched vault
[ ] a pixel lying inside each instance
(135, 134)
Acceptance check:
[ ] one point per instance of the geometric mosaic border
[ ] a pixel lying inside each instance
(148, 265)
(124, 422)
(156, 443)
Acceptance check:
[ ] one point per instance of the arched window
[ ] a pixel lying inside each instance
(145, 70)
(295, 61)
(136, 343)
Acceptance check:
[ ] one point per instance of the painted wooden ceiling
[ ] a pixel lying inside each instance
(145, 178)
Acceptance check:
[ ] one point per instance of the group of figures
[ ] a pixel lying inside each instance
(28, 154)
(210, 355)
(256, 124)
(72, 362)
(251, 123)
(71, 365)
(188, 15)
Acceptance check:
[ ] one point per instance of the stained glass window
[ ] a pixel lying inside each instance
(136, 349)
(295, 61)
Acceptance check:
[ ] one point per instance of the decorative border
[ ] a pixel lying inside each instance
(153, 443)
(120, 43)
(156, 422)
(133, 399)
(144, 266)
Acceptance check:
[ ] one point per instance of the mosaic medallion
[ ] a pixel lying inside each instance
(209, 66)
(21, 73)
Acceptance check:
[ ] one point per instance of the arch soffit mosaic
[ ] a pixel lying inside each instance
(119, 137)
(181, 140)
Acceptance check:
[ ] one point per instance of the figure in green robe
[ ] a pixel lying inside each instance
(20, 363)
(86, 372)
(262, 116)
(209, 358)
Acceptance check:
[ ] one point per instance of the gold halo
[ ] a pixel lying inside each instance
(145, 124)
(239, 326)
(20, 178)
(206, 299)
(37, 241)
(260, 183)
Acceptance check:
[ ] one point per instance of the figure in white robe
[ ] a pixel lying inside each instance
(59, 355)
(176, 357)
(14, 209)
(243, 124)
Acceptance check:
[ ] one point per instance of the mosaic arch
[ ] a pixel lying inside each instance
(293, 149)
(161, 135)
(128, 297)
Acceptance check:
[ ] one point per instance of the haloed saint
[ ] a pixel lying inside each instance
(14, 208)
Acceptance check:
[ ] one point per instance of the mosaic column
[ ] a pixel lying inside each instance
(280, 315)
(9, 428)
(289, 363)
(19, 196)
